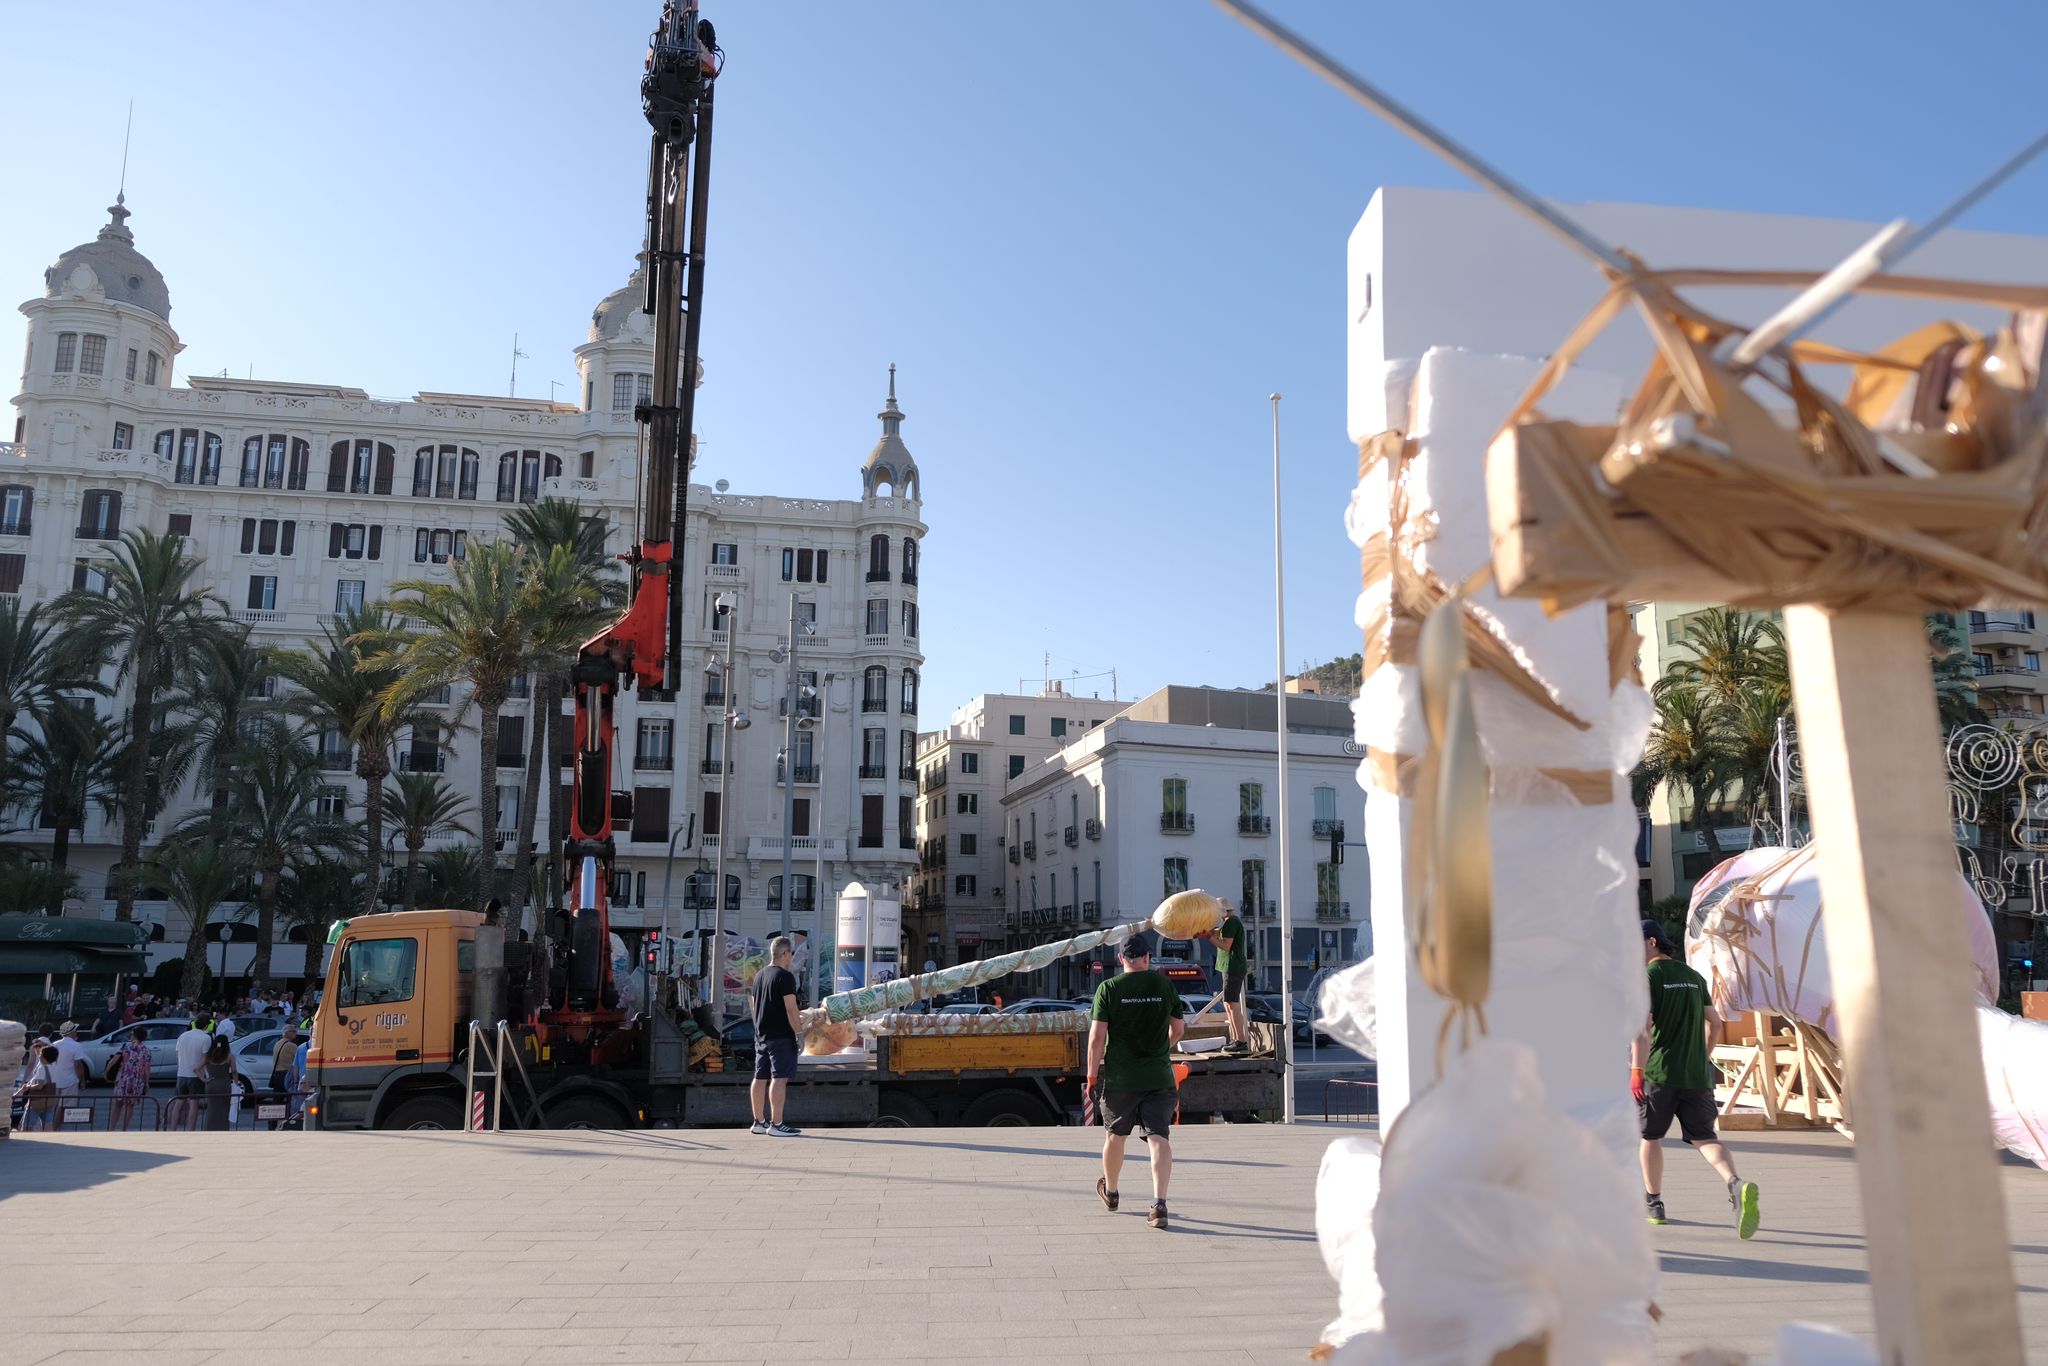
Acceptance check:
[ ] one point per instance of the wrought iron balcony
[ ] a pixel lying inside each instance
(1031, 849)
(874, 770)
(1091, 912)
(711, 766)
(1016, 855)
(1328, 829)
(908, 773)
(409, 761)
(873, 704)
(1254, 825)
(1177, 822)
(1333, 910)
(803, 773)
(1092, 828)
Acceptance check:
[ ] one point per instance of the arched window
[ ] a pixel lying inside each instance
(554, 466)
(423, 472)
(166, 443)
(878, 558)
(909, 559)
(302, 460)
(467, 486)
(508, 476)
(387, 463)
(802, 892)
(197, 454)
(265, 462)
(874, 691)
(909, 700)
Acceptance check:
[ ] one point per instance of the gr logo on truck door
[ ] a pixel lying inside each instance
(372, 973)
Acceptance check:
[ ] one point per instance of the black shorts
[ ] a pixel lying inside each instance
(774, 1059)
(1150, 1112)
(1694, 1110)
(1233, 988)
(191, 1086)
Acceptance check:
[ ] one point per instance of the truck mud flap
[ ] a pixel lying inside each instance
(810, 1102)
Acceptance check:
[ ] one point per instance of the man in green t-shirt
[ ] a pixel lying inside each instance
(1232, 964)
(1671, 1076)
(1136, 1022)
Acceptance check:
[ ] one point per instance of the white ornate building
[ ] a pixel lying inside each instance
(303, 498)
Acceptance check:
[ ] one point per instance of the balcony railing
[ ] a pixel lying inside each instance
(1016, 854)
(875, 642)
(511, 759)
(1070, 837)
(1254, 825)
(714, 697)
(878, 576)
(2001, 621)
(874, 770)
(1333, 910)
(1092, 828)
(874, 704)
(908, 707)
(658, 763)
(261, 616)
(1328, 829)
(1266, 910)
(910, 577)
(723, 571)
(339, 761)
(421, 761)
(16, 526)
(907, 772)
(805, 773)
(1983, 669)
(1031, 849)
(1091, 912)
(806, 706)
(935, 780)
(1177, 822)
(711, 766)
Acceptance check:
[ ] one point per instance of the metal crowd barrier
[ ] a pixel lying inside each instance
(261, 1111)
(1355, 1099)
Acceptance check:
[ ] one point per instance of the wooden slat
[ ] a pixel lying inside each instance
(1941, 1271)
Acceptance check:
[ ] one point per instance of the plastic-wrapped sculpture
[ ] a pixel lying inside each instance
(1756, 933)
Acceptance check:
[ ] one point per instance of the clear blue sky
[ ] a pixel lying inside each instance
(1093, 236)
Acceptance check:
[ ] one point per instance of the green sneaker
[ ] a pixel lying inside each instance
(1654, 1209)
(1743, 1196)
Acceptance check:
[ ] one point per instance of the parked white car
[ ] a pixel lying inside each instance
(161, 1036)
(1043, 1005)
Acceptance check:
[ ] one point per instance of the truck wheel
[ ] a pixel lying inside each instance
(895, 1111)
(424, 1112)
(1006, 1110)
(585, 1112)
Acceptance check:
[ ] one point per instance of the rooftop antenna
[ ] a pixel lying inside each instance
(512, 390)
(121, 196)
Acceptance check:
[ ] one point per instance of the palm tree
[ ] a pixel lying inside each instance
(201, 865)
(29, 885)
(1731, 650)
(315, 895)
(1690, 750)
(153, 617)
(452, 876)
(1955, 674)
(474, 628)
(68, 767)
(542, 528)
(274, 803)
(424, 806)
(224, 705)
(565, 607)
(35, 661)
(341, 690)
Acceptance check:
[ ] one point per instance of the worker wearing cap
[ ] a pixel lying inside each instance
(1136, 1022)
(1671, 1076)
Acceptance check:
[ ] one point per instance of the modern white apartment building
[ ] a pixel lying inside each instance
(304, 498)
(1179, 790)
(956, 909)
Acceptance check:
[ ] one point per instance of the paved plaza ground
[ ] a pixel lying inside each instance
(860, 1245)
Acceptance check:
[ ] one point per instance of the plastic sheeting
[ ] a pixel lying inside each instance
(1504, 1232)
(1756, 933)
(2016, 1074)
(958, 1024)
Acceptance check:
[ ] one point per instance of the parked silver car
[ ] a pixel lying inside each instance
(159, 1035)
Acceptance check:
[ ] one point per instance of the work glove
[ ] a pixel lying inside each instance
(1635, 1085)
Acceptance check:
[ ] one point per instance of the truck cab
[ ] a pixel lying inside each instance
(391, 1020)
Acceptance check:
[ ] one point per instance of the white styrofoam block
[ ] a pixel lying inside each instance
(1461, 399)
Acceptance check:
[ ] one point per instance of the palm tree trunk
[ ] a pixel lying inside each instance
(60, 855)
(411, 894)
(266, 925)
(373, 773)
(193, 979)
(529, 810)
(488, 706)
(313, 947)
(135, 792)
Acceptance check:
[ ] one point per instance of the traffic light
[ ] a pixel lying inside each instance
(653, 948)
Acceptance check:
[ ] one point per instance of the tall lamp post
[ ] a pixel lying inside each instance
(1280, 748)
(794, 696)
(732, 719)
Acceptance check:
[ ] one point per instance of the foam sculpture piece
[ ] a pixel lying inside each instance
(1187, 914)
(1755, 932)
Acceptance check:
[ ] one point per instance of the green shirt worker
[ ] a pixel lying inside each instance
(1136, 1022)
(1671, 1076)
(1232, 964)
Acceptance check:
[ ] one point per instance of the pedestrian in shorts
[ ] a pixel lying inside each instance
(775, 1036)
(1671, 1076)
(1136, 1020)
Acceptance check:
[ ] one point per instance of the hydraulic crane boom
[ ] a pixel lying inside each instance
(641, 648)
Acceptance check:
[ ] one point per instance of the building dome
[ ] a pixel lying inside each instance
(111, 262)
(890, 465)
(620, 313)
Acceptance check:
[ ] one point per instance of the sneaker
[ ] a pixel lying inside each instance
(1237, 1048)
(1156, 1217)
(1654, 1209)
(1748, 1210)
(782, 1130)
(1103, 1193)
(759, 1128)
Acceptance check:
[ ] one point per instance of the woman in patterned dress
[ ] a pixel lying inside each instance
(131, 1083)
